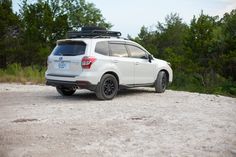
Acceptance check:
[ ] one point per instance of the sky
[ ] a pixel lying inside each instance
(128, 16)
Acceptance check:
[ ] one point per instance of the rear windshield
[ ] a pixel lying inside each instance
(69, 49)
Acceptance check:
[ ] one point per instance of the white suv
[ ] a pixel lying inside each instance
(101, 61)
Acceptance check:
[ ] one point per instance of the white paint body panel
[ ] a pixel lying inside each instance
(130, 71)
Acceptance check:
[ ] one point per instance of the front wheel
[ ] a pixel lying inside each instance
(161, 82)
(65, 91)
(107, 88)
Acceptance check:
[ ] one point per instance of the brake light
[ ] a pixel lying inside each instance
(87, 62)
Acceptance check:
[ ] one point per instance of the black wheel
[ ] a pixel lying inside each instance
(107, 88)
(161, 82)
(65, 91)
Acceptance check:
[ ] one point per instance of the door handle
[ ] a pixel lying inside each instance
(115, 61)
(136, 63)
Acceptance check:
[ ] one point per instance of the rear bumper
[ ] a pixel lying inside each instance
(88, 76)
(56, 83)
(71, 84)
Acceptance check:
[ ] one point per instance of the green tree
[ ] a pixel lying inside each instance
(9, 27)
(167, 41)
(148, 40)
(228, 23)
(79, 12)
(171, 40)
(201, 43)
(46, 21)
(37, 32)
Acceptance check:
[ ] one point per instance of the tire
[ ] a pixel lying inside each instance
(65, 91)
(107, 88)
(161, 82)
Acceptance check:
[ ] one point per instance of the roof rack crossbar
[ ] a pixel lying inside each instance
(93, 33)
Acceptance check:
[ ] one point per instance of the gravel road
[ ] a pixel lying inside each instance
(35, 121)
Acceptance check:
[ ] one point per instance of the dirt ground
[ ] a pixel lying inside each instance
(35, 121)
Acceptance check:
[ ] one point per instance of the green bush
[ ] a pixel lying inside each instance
(194, 83)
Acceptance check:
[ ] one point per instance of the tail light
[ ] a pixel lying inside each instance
(87, 62)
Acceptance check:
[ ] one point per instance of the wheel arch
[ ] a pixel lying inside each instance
(114, 74)
(167, 73)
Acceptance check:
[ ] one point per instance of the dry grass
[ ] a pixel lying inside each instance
(19, 74)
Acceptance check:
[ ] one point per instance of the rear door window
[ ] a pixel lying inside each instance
(102, 48)
(118, 50)
(69, 48)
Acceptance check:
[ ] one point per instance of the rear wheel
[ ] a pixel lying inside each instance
(65, 91)
(107, 88)
(161, 82)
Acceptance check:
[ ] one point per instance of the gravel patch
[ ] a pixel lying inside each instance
(36, 121)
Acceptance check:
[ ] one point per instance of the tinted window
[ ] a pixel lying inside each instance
(102, 48)
(118, 50)
(137, 52)
(69, 49)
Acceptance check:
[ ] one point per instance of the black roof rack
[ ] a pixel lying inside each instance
(93, 33)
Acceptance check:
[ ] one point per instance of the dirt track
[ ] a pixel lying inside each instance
(35, 121)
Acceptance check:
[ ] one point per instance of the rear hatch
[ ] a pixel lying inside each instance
(65, 59)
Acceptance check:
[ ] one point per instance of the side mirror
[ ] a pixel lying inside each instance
(150, 58)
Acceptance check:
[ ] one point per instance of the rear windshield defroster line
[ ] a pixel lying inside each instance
(69, 48)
